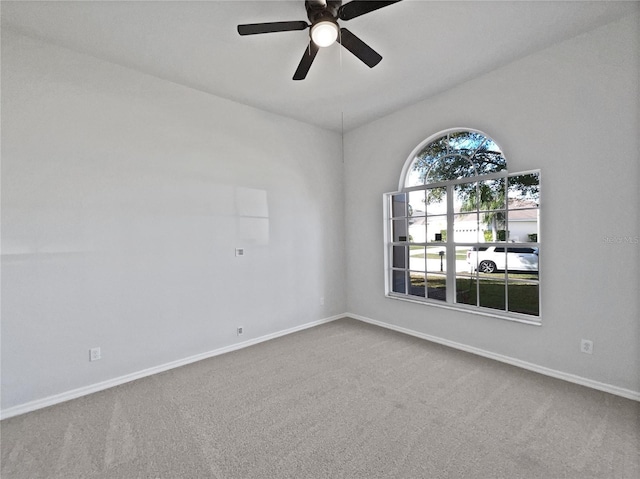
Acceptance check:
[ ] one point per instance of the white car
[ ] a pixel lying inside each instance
(494, 258)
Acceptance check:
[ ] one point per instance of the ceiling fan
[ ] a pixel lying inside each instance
(324, 15)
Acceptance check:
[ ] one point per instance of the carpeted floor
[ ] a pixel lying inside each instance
(342, 400)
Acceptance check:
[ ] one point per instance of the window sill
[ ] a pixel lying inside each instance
(518, 318)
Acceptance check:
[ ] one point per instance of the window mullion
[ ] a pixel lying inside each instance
(450, 248)
(506, 237)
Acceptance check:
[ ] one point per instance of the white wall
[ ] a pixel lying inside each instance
(123, 199)
(572, 111)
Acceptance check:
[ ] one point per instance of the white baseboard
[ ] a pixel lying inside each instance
(572, 378)
(84, 391)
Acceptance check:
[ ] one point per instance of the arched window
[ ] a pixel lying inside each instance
(462, 231)
(454, 155)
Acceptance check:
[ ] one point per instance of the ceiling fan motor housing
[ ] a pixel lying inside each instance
(318, 11)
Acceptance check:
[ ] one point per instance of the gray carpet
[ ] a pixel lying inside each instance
(342, 400)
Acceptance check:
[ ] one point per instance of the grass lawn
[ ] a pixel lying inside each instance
(523, 293)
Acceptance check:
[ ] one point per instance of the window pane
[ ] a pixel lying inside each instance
(437, 286)
(524, 199)
(417, 173)
(466, 197)
(493, 226)
(524, 191)
(427, 157)
(488, 259)
(490, 145)
(416, 258)
(399, 205)
(524, 293)
(466, 142)
(399, 232)
(437, 277)
(523, 225)
(450, 167)
(466, 289)
(492, 194)
(399, 282)
(399, 256)
(466, 279)
(436, 201)
(436, 229)
(492, 290)
(417, 203)
(417, 230)
(436, 258)
(416, 287)
(465, 228)
(522, 259)
(473, 257)
(489, 159)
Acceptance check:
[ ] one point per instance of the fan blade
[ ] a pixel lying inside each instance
(271, 27)
(359, 48)
(307, 60)
(355, 8)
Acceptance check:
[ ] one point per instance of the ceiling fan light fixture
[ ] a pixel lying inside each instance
(324, 33)
(323, 16)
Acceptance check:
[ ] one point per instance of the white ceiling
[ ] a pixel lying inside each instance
(427, 47)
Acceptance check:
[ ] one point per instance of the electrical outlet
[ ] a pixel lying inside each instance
(239, 251)
(586, 346)
(321, 300)
(95, 354)
(240, 330)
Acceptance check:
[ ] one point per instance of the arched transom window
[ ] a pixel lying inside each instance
(462, 231)
(457, 154)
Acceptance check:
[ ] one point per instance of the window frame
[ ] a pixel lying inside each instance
(450, 245)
